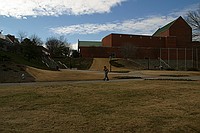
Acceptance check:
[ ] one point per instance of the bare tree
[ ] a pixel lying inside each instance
(36, 40)
(58, 47)
(193, 18)
(22, 35)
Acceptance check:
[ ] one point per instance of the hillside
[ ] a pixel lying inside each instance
(20, 59)
(12, 73)
(12, 66)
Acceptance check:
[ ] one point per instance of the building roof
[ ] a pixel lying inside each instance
(89, 43)
(168, 26)
(8, 38)
(164, 28)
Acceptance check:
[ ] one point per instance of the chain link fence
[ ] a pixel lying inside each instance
(166, 58)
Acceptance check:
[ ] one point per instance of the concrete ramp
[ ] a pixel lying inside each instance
(99, 63)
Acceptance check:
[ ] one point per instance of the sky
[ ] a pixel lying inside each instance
(89, 20)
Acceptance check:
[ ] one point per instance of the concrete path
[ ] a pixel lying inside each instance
(65, 82)
(136, 74)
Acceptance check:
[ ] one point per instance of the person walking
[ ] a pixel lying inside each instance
(106, 73)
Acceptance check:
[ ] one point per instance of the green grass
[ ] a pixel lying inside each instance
(134, 106)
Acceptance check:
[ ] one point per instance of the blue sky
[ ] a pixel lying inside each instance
(89, 19)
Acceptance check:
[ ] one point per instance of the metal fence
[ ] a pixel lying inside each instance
(167, 58)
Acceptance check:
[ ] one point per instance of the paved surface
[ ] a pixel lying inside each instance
(156, 77)
(143, 77)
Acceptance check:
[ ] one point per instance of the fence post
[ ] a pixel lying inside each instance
(160, 57)
(177, 58)
(168, 54)
(192, 58)
(197, 58)
(185, 59)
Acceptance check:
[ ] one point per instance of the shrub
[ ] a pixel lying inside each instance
(5, 69)
(15, 71)
(3, 65)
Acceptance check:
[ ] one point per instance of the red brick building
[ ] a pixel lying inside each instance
(171, 42)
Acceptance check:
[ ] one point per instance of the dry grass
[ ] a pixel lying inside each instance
(68, 75)
(77, 75)
(63, 75)
(134, 106)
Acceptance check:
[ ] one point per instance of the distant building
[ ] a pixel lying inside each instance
(176, 34)
(95, 49)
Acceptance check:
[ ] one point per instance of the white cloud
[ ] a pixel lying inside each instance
(145, 26)
(25, 8)
(83, 29)
(136, 26)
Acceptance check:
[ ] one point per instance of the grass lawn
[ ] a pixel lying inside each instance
(115, 107)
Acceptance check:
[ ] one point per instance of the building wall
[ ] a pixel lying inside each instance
(170, 42)
(107, 41)
(183, 33)
(143, 53)
(164, 34)
(179, 29)
(100, 52)
(119, 40)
